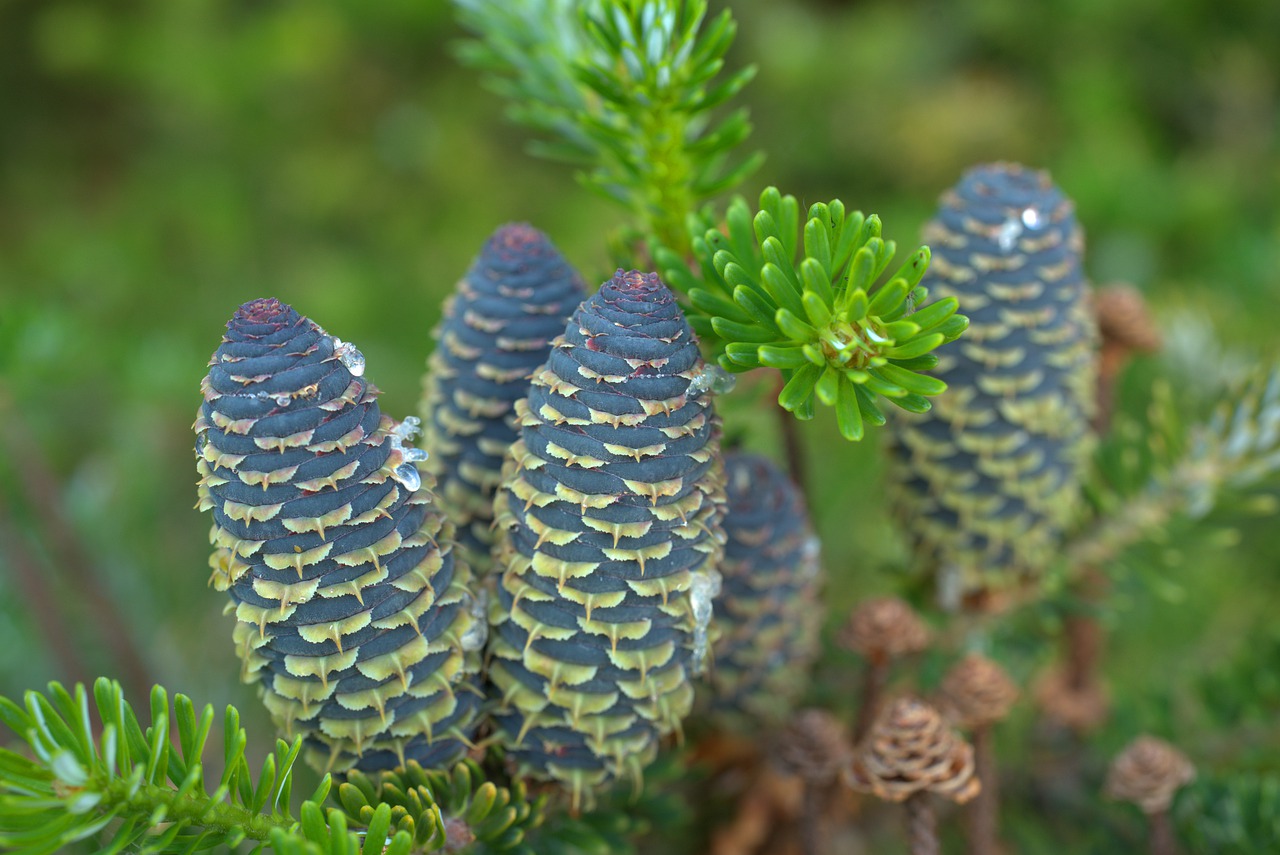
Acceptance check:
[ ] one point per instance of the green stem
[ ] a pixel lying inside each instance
(667, 201)
(1128, 524)
(195, 809)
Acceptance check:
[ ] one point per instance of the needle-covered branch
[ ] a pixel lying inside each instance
(629, 91)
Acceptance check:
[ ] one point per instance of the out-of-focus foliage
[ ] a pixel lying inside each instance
(1233, 815)
(1155, 470)
(162, 162)
(625, 90)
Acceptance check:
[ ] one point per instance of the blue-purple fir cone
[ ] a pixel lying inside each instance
(609, 533)
(496, 330)
(353, 615)
(768, 614)
(987, 481)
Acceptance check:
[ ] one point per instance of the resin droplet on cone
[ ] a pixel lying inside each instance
(609, 521)
(497, 329)
(349, 602)
(990, 477)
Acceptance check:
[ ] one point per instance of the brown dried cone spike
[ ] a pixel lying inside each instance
(975, 694)
(912, 751)
(1148, 773)
(880, 629)
(1124, 319)
(814, 748)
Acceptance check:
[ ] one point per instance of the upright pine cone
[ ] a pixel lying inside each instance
(988, 479)
(496, 331)
(1124, 320)
(813, 746)
(609, 532)
(1148, 773)
(884, 628)
(912, 748)
(977, 692)
(767, 616)
(352, 613)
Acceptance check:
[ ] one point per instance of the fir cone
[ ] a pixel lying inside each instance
(1124, 319)
(1126, 328)
(609, 520)
(1148, 773)
(768, 615)
(813, 746)
(912, 748)
(884, 628)
(496, 331)
(352, 612)
(988, 479)
(1080, 708)
(977, 692)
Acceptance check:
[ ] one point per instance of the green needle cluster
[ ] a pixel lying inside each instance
(806, 301)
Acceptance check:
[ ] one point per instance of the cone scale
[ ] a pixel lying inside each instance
(609, 521)
(352, 614)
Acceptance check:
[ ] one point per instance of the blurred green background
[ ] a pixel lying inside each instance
(162, 161)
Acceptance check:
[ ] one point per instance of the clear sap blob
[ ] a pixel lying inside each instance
(1011, 229)
(349, 355)
(477, 634)
(408, 429)
(810, 559)
(704, 588)
(407, 475)
(1007, 235)
(713, 379)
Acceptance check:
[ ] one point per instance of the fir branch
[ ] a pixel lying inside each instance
(813, 308)
(1232, 814)
(444, 810)
(628, 90)
(1187, 470)
(76, 785)
(131, 786)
